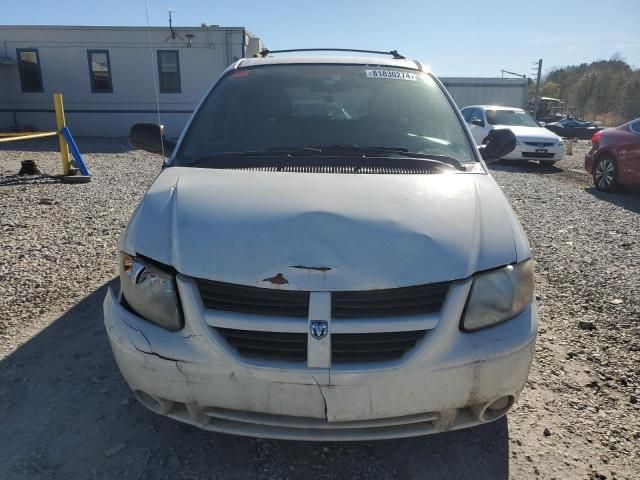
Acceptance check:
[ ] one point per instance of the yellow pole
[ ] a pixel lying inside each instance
(60, 124)
(22, 134)
(28, 137)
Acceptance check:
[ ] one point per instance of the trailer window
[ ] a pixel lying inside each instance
(29, 68)
(169, 71)
(99, 71)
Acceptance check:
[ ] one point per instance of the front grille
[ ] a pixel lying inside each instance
(390, 302)
(540, 144)
(258, 345)
(265, 301)
(372, 347)
(267, 345)
(537, 155)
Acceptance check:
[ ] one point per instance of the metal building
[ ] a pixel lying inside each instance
(107, 74)
(509, 92)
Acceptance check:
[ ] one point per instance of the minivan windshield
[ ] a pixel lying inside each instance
(511, 117)
(322, 108)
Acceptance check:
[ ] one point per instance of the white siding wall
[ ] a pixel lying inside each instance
(64, 66)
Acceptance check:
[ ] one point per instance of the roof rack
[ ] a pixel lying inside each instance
(393, 53)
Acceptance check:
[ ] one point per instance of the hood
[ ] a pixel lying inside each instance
(532, 134)
(324, 231)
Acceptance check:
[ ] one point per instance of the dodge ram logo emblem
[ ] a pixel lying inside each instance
(319, 329)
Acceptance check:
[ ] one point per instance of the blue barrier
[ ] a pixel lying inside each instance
(84, 169)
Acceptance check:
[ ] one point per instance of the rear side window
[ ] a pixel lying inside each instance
(466, 114)
(29, 68)
(99, 71)
(169, 71)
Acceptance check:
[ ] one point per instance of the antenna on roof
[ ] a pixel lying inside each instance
(173, 35)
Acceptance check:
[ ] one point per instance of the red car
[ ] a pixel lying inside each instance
(614, 157)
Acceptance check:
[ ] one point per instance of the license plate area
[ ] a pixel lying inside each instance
(541, 150)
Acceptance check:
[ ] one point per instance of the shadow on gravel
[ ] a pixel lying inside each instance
(42, 179)
(627, 199)
(85, 145)
(524, 167)
(65, 413)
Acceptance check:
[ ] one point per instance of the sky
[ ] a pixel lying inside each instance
(454, 38)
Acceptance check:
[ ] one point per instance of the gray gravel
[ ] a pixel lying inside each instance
(586, 374)
(59, 240)
(66, 413)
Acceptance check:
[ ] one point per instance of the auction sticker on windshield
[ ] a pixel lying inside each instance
(391, 74)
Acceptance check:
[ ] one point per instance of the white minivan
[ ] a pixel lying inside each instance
(313, 276)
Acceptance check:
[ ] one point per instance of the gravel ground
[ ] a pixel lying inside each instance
(59, 241)
(66, 413)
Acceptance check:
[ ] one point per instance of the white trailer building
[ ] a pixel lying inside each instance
(107, 74)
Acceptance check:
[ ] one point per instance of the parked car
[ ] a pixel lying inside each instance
(324, 278)
(571, 128)
(614, 157)
(533, 141)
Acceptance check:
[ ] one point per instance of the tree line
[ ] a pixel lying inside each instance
(605, 90)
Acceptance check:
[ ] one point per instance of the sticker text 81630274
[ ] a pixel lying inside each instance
(391, 75)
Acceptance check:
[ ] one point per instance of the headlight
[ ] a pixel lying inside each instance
(150, 291)
(498, 296)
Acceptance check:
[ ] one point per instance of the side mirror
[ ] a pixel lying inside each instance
(500, 142)
(478, 122)
(542, 124)
(150, 137)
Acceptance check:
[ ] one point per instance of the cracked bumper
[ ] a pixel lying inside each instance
(186, 376)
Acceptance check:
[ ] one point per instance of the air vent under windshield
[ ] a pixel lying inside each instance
(345, 169)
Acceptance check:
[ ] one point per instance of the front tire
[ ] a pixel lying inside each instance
(605, 174)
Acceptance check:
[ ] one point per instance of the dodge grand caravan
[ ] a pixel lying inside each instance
(297, 274)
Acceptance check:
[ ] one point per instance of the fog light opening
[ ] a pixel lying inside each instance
(157, 405)
(497, 408)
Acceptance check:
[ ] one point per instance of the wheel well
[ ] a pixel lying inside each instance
(597, 158)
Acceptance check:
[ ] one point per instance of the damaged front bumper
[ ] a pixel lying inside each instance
(454, 380)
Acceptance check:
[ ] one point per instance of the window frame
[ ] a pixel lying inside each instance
(160, 85)
(22, 85)
(89, 53)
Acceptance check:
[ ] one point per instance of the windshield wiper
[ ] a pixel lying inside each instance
(304, 149)
(440, 159)
(312, 150)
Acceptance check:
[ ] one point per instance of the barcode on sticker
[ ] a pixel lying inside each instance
(391, 74)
